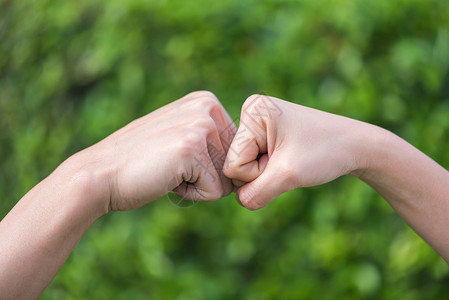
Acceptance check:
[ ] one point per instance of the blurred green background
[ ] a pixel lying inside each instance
(72, 72)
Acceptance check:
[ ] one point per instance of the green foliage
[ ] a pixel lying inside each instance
(72, 72)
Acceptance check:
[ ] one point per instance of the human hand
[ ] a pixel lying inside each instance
(280, 146)
(180, 147)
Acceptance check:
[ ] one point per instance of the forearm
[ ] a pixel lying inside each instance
(43, 228)
(414, 185)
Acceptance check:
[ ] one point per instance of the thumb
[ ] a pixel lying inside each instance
(246, 157)
(276, 179)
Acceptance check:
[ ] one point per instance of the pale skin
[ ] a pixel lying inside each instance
(279, 146)
(288, 146)
(165, 150)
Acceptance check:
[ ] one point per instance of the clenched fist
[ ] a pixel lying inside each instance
(181, 146)
(280, 146)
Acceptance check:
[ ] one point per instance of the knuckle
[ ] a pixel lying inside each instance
(217, 194)
(201, 94)
(203, 99)
(261, 106)
(201, 123)
(211, 192)
(251, 100)
(190, 144)
(206, 104)
(253, 97)
(230, 170)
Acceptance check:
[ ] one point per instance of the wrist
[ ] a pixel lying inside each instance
(87, 177)
(370, 141)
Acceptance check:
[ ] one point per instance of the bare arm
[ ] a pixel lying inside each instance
(163, 151)
(414, 185)
(289, 146)
(39, 233)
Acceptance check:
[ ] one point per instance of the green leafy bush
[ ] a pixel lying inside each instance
(72, 72)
